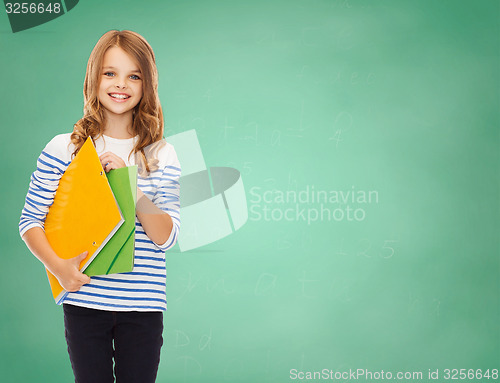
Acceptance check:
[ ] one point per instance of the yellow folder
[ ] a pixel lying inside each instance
(84, 214)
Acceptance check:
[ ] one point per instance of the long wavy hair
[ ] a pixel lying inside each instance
(147, 120)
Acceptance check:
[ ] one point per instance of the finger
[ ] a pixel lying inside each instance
(104, 162)
(72, 286)
(82, 256)
(114, 165)
(84, 279)
(106, 157)
(105, 154)
(111, 161)
(79, 280)
(79, 258)
(114, 158)
(107, 166)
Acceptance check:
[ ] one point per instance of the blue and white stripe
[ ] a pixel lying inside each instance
(143, 289)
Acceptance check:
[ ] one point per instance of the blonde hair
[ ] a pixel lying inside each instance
(147, 120)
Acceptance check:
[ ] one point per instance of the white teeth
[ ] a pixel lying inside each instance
(122, 96)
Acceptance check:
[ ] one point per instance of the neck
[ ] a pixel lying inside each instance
(118, 126)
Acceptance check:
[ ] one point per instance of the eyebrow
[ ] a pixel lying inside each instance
(112, 67)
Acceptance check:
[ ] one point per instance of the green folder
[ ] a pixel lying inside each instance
(117, 256)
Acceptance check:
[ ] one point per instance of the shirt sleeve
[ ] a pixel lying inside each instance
(167, 198)
(44, 181)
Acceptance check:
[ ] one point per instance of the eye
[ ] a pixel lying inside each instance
(109, 74)
(135, 77)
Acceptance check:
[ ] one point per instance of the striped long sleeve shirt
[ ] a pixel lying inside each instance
(142, 289)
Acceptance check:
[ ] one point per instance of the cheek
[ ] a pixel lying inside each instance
(139, 94)
(101, 89)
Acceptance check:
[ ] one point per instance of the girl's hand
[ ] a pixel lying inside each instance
(67, 272)
(111, 161)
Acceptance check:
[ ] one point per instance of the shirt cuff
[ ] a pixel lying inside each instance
(30, 226)
(170, 242)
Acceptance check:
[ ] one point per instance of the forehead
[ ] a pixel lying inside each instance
(117, 58)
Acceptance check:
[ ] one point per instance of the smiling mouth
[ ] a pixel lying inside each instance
(119, 96)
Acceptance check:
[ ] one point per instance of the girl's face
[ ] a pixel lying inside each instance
(120, 83)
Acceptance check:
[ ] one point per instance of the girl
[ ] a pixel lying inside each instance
(114, 323)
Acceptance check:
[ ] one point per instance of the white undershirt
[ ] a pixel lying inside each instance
(121, 147)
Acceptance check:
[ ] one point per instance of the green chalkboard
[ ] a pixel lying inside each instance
(366, 134)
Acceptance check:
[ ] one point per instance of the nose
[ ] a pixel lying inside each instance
(120, 83)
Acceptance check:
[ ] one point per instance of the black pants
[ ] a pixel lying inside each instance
(95, 338)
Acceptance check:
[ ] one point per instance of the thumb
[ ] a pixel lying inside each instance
(79, 258)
